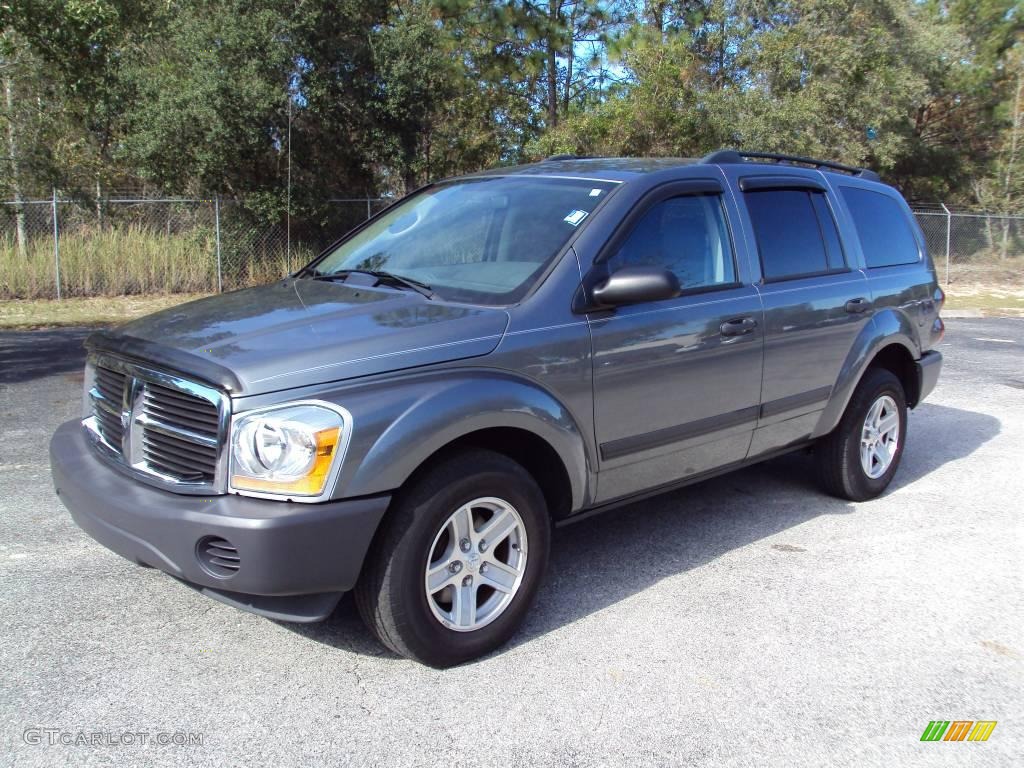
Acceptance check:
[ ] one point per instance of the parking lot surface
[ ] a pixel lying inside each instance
(748, 620)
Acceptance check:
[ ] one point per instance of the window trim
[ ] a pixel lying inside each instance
(831, 212)
(656, 196)
(761, 183)
(811, 188)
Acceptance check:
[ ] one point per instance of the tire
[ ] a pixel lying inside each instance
(841, 470)
(421, 530)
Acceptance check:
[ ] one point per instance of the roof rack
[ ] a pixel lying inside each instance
(732, 156)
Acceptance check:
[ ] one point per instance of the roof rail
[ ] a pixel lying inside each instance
(567, 156)
(732, 156)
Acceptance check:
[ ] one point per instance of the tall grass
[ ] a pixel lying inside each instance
(124, 260)
(131, 258)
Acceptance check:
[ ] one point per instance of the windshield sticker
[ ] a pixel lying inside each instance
(576, 217)
(596, 192)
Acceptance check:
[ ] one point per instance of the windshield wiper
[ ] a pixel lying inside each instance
(382, 276)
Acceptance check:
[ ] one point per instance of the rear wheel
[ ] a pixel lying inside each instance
(859, 459)
(459, 562)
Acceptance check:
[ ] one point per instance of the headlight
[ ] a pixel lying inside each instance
(288, 450)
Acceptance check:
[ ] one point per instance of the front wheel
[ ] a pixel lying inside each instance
(459, 562)
(859, 459)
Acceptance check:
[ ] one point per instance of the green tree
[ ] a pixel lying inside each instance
(211, 95)
(416, 77)
(82, 45)
(378, 96)
(16, 69)
(834, 78)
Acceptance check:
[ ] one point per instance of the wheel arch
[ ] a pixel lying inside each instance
(889, 341)
(522, 446)
(897, 359)
(500, 412)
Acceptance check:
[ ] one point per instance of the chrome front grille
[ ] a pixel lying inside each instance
(176, 407)
(168, 431)
(110, 383)
(179, 433)
(107, 408)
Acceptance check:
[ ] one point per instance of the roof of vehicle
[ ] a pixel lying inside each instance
(610, 168)
(625, 168)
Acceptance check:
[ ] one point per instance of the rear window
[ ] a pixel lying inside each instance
(796, 235)
(882, 226)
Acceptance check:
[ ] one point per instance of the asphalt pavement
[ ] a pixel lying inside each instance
(748, 620)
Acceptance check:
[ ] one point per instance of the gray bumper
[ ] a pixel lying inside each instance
(295, 559)
(928, 368)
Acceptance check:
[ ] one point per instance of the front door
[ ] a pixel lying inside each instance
(677, 382)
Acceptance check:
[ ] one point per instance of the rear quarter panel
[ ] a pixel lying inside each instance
(908, 290)
(904, 307)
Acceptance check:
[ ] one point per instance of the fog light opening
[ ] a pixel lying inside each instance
(218, 556)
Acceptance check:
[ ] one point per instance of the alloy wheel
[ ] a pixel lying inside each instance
(476, 564)
(880, 437)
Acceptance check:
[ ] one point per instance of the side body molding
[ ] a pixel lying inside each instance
(889, 326)
(395, 432)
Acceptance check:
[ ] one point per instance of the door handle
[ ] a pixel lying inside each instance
(858, 305)
(738, 327)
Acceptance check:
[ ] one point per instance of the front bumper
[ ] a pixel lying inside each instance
(928, 368)
(295, 560)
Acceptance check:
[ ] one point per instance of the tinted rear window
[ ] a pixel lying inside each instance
(882, 226)
(789, 237)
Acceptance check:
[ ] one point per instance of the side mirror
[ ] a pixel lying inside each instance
(634, 285)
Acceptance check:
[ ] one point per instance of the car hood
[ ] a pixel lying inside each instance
(300, 331)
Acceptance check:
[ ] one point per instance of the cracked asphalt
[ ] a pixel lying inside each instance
(748, 620)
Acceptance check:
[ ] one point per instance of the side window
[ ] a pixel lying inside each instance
(796, 233)
(686, 235)
(885, 234)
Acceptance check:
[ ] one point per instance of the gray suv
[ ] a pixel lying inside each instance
(408, 415)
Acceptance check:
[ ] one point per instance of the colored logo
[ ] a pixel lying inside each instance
(958, 730)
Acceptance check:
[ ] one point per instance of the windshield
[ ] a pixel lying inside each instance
(483, 240)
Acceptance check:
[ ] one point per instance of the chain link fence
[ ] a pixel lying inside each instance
(979, 248)
(138, 245)
(123, 245)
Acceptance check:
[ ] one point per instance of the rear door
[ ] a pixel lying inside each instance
(677, 382)
(816, 301)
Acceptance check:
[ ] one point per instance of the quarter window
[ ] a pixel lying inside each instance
(796, 233)
(883, 228)
(686, 235)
